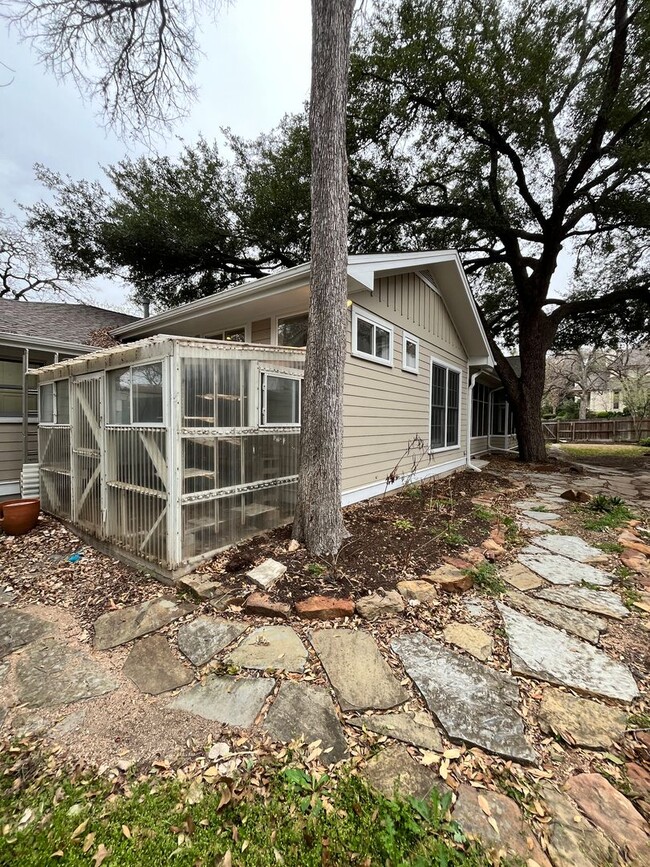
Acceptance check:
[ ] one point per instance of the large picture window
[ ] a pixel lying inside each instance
(372, 338)
(480, 410)
(445, 407)
(292, 330)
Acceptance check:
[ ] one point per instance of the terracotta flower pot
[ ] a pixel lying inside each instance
(19, 516)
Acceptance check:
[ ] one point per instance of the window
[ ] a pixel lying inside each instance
(135, 394)
(616, 400)
(292, 330)
(372, 338)
(445, 407)
(237, 335)
(54, 403)
(11, 393)
(281, 399)
(410, 353)
(480, 410)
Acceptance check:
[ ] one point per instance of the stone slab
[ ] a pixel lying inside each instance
(394, 771)
(126, 624)
(267, 573)
(507, 831)
(472, 702)
(419, 591)
(474, 641)
(153, 668)
(562, 570)
(580, 721)
(572, 840)
(377, 605)
(602, 602)
(572, 547)
(303, 711)
(531, 525)
(226, 700)
(18, 628)
(415, 728)
(270, 647)
(611, 811)
(585, 626)
(545, 653)
(359, 674)
(520, 577)
(541, 517)
(204, 637)
(50, 674)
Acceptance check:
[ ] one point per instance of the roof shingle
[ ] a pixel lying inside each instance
(67, 323)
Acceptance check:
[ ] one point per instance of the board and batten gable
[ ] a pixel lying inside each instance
(384, 408)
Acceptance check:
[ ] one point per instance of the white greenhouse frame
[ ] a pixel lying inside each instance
(170, 495)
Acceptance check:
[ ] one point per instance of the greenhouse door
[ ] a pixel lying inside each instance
(86, 420)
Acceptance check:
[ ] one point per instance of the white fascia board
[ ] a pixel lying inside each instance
(22, 341)
(218, 301)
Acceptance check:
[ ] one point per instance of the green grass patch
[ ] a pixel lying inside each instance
(639, 721)
(483, 513)
(486, 579)
(607, 450)
(295, 819)
(615, 517)
(610, 547)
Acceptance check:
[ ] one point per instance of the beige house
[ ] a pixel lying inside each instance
(185, 437)
(414, 341)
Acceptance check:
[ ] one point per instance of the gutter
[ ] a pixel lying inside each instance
(19, 341)
(470, 400)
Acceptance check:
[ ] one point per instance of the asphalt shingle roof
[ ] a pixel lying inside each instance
(67, 323)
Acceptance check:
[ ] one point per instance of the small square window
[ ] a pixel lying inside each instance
(281, 400)
(292, 330)
(410, 353)
(372, 338)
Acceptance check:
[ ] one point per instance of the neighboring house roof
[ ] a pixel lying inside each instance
(78, 324)
(444, 266)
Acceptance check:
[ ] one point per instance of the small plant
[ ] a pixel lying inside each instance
(639, 721)
(605, 503)
(630, 596)
(486, 579)
(403, 524)
(316, 569)
(610, 547)
(645, 442)
(454, 538)
(413, 492)
(539, 509)
(482, 513)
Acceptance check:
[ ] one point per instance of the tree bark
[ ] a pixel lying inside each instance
(318, 520)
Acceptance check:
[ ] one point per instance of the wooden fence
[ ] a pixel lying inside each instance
(597, 430)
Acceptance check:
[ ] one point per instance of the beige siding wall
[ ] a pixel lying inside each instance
(261, 331)
(11, 450)
(386, 407)
(478, 445)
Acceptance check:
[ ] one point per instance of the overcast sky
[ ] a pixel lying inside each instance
(256, 68)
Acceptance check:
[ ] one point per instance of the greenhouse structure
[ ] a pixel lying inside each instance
(169, 449)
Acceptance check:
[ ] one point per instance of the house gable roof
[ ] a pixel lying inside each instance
(444, 265)
(78, 324)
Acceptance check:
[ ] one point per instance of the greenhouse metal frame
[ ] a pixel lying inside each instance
(167, 450)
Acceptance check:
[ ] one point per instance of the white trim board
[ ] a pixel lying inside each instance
(365, 492)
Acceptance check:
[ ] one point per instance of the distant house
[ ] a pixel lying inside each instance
(33, 334)
(191, 428)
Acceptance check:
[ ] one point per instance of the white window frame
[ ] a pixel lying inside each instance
(245, 327)
(131, 368)
(447, 367)
(275, 325)
(32, 417)
(263, 392)
(359, 313)
(55, 402)
(415, 340)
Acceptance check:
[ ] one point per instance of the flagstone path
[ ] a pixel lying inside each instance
(551, 624)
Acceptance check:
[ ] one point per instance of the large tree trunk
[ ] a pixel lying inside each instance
(318, 521)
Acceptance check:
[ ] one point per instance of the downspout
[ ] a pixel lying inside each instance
(470, 403)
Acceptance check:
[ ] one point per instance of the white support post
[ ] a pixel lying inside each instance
(174, 458)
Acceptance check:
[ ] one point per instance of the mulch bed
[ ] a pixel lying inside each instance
(392, 538)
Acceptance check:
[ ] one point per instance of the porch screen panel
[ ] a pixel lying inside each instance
(54, 460)
(86, 453)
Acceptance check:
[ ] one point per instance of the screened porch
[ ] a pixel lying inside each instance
(169, 449)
